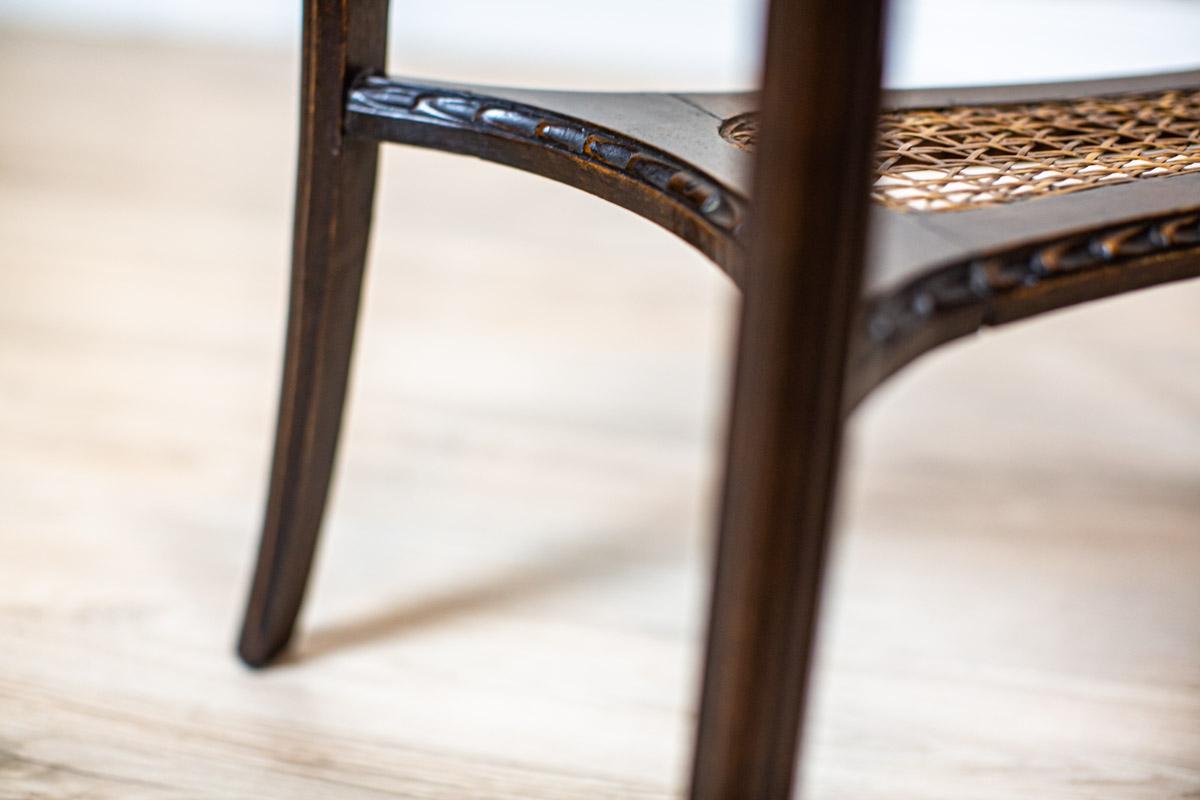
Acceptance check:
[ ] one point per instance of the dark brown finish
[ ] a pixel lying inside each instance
(838, 294)
(647, 180)
(928, 278)
(335, 188)
(1012, 284)
(819, 104)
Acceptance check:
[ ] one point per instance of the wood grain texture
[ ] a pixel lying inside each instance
(821, 78)
(654, 183)
(518, 546)
(931, 278)
(335, 192)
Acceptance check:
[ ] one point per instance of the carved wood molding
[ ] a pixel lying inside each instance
(388, 100)
(897, 327)
(983, 278)
(943, 303)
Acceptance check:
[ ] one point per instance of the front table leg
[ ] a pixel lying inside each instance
(808, 225)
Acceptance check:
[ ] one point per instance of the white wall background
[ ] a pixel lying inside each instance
(684, 43)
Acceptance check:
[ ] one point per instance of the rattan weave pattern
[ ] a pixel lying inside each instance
(956, 158)
(951, 158)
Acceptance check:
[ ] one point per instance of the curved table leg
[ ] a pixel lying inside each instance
(808, 225)
(334, 197)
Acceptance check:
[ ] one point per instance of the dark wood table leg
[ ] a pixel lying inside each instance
(808, 220)
(334, 197)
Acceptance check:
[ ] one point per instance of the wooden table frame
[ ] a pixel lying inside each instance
(837, 295)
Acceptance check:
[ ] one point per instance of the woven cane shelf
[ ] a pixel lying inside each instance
(682, 161)
(950, 159)
(839, 292)
(955, 158)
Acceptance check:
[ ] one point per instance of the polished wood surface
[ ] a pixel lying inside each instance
(335, 192)
(511, 601)
(663, 157)
(804, 272)
(812, 342)
(806, 244)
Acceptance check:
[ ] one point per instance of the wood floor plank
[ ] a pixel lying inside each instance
(508, 601)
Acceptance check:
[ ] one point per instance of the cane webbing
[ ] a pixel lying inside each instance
(949, 159)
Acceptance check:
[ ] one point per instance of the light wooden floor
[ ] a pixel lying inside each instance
(510, 594)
